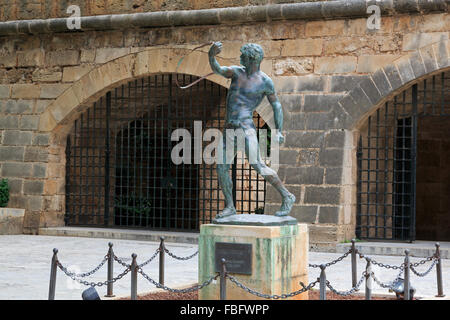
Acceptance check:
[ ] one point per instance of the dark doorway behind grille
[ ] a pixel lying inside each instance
(119, 170)
(400, 180)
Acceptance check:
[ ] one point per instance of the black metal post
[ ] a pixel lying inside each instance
(161, 261)
(354, 267)
(107, 160)
(323, 283)
(223, 279)
(368, 280)
(53, 269)
(406, 293)
(134, 277)
(439, 272)
(109, 289)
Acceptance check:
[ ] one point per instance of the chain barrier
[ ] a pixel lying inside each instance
(352, 290)
(332, 262)
(87, 274)
(191, 289)
(275, 296)
(423, 274)
(416, 264)
(91, 284)
(389, 285)
(180, 258)
(151, 258)
(381, 265)
(124, 264)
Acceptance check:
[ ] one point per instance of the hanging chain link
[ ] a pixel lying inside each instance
(275, 296)
(423, 274)
(416, 264)
(191, 289)
(116, 258)
(389, 285)
(87, 274)
(151, 258)
(382, 265)
(92, 284)
(180, 258)
(332, 262)
(352, 290)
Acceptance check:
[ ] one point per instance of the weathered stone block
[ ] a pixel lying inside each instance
(370, 90)
(47, 75)
(324, 28)
(288, 157)
(291, 103)
(331, 157)
(35, 154)
(15, 186)
(371, 63)
(9, 122)
(344, 83)
(393, 76)
(322, 195)
(308, 157)
(28, 122)
(333, 176)
(304, 139)
(33, 187)
(30, 58)
(302, 47)
(294, 121)
(320, 103)
(11, 153)
(11, 221)
(335, 139)
(289, 67)
(71, 74)
(25, 91)
(5, 91)
(39, 170)
(16, 170)
(304, 175)
(18, 106)
(329, 214)
(299, 84)
(41, 139)
(62, 58)
(17, 138)
(382, 83)
(305, 214)
(342, 64)
(414, 41)
(107, 54)
(52, 91)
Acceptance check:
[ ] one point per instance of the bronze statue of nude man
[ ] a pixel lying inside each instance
(249, 85)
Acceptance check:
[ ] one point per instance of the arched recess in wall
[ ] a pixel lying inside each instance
(120, 167)
(401, 123)
(59, 116)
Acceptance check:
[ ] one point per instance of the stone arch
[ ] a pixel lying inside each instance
(371, 94)
(385, 83)
(98, 81)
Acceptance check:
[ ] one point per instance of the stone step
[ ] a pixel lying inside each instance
(122, 234)
(422, 249)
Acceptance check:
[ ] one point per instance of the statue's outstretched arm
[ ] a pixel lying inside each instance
(215, 49)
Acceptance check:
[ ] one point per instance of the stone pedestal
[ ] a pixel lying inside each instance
(279, 259)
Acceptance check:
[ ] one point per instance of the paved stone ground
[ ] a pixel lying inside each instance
(25, 267)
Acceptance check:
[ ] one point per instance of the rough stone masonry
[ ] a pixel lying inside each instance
(331, 72)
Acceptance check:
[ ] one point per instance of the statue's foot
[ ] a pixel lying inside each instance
(286, 206)
(228, 211)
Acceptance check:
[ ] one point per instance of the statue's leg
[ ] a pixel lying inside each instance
(253, 154)
(225, 183)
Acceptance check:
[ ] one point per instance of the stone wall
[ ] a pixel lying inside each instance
(329, 76)
(45, 9)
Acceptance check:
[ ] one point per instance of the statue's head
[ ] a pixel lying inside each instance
(251, 53)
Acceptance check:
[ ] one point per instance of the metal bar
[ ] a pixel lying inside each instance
(440, 286)
(133, 277)
(53, 269)
(323, 283)
(223, 279)
(368, 293)
(354, 266)
(161, 261)
(109, 288)
(413, 165)
(107, 155)
(406, 286)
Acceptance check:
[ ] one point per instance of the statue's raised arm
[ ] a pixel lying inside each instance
(215, 49)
